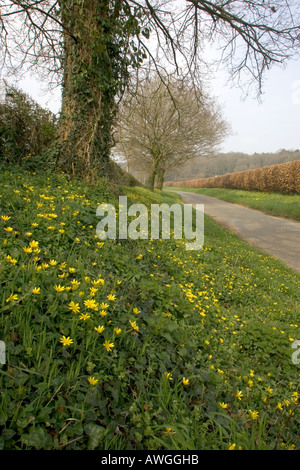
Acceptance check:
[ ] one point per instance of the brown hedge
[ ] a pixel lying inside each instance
(283, 178)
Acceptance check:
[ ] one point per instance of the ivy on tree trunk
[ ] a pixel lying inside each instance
(90, 85)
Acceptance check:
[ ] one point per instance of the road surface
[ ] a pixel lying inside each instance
(276, 236)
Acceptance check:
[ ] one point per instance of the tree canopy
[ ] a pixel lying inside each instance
(164, 125)
(93, 47)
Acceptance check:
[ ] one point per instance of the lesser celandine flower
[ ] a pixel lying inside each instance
(108, 345)
(84, 316)
(253, 414)
(34, 244)
(111, 297)
(185, 381)
(66, 341)
(59, 288)
(74, 307)
(168, 375)
(36, 290)
(169, 431)
(239, 395)
(104, 305)
(117, 331)
(92, 380)
(99, 329)
(134, 325)
(223, 405)
(136, 311)
(12, 298)
(90, 303)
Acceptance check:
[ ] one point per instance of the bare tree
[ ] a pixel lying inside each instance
(95, 46)
(165, 124)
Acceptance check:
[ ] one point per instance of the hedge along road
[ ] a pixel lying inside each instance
(274, 235)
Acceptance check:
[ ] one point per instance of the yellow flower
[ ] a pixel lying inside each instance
(27, 249)
(84, 316)
(223, 405)
(52, 262)
(232, 446)
(59, 288)
(36, 290)
(90, 303)
(75, 284)
(168, 375)
(66, 341)
(185, 381)
(136, 311)
(104, 305)
(134, 325)
(103, 313)
(34, 244)
(111, 297)
(117, 331)
(5, 218)
(74, 307)
(8, 229)
(253, 414)
(169, 431)
(99, 329)
(12, 297)
(139, 256)
(92, 380)
(108, 345)
(11, 260)
(279, 406)
(239, 395)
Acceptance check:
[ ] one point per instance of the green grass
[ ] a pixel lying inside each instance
(281, 205)
(202, 340)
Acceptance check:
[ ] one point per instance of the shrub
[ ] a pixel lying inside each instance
(26, 129)
(282, 178)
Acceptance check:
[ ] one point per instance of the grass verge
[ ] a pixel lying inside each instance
(138, 344)
(281, 205)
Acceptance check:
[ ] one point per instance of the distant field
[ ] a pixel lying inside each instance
(281, 205)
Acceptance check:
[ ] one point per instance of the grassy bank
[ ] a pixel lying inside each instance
(276, 204)
(138, 344)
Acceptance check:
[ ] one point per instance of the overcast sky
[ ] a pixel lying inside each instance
(268, 126)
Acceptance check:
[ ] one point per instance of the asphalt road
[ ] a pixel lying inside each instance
(276, 236)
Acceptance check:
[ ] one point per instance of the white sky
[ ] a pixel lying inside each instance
(268, 126)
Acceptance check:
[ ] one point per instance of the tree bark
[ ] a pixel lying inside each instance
(160, 179)
(152, 175)
(89, 89)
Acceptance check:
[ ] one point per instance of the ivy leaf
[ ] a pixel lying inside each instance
(38, 439)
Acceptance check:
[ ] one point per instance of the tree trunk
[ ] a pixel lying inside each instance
(89, 88)
(151, 180)
(160, 179)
